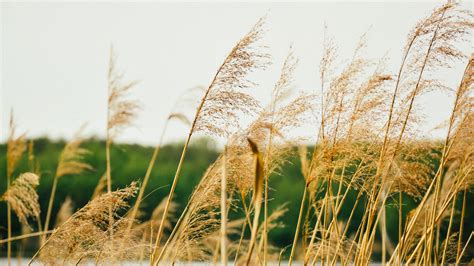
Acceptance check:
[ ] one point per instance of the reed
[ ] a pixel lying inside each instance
(121, 111)
(222, 97)
(367, 156)
(70, 163)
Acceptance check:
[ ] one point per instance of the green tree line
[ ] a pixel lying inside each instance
(130, 161)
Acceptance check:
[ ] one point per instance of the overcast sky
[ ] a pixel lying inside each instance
(54, 56)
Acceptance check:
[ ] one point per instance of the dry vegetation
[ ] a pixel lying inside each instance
(366, 141)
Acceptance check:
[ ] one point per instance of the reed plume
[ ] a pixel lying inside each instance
(433, 40)
(222, 100)
(459, 174)
(22, 197)
(121, 111)
(85, 234)
(351, 111)
(70, 163)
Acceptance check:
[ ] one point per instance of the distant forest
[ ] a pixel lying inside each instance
(130, 161)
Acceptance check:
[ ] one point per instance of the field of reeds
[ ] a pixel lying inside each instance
(368, 156)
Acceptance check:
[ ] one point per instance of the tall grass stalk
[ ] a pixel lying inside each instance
(448, 233)
(298, 225)
(223, 232)
(461, 226)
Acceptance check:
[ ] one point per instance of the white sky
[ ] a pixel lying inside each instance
(54, 56)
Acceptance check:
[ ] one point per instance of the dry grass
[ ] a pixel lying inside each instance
(366, 142)
(22, 197)
(70, 163)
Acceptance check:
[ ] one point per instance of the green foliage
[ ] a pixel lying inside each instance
(130, 161)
